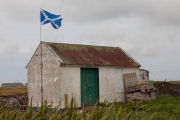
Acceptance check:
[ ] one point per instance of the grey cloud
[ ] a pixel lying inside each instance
(135, 35)
(90, 10)
(17, 10)
(21, 10)
(12, 49)
(157, 11)
(144, 29)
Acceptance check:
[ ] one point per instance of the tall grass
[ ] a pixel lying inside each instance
(159, 109)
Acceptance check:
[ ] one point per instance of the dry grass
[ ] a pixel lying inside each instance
(5, 91)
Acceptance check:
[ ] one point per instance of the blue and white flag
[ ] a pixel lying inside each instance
(47, 17)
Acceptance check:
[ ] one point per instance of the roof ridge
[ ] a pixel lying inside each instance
(82, 44)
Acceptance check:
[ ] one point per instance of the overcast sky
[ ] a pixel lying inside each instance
(148, 30)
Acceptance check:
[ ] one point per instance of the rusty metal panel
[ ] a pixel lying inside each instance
(74, 54)
(130, 79)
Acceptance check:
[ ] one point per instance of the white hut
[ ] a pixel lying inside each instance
(88, 72)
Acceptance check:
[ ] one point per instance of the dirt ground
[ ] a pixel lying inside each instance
(167, 88)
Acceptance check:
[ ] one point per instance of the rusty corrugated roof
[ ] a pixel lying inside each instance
(74, 54)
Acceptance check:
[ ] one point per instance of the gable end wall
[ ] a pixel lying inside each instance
(50, 76)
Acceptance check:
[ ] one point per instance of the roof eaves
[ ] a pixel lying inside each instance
(74, 65)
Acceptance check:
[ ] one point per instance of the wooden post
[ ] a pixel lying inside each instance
(136, 107)
(65, 100)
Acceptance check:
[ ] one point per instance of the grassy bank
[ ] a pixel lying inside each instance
(164, 107)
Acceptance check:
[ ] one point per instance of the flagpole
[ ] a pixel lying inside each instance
(41, 61)
(47, 19)
(40, 25)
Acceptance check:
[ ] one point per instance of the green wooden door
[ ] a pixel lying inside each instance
(89, 86)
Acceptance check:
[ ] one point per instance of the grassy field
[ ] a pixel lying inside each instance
(5, 91)
(165, 107)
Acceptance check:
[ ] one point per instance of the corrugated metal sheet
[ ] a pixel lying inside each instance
(74, 54)
(130, 79)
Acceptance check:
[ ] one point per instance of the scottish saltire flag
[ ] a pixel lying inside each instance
(47, 17)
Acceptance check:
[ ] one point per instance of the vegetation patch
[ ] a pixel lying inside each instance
(165, 107)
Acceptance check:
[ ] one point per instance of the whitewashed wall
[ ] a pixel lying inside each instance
(70, 84)
(34, 78)
(108, 81)
(50, 77)
(107, 85)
